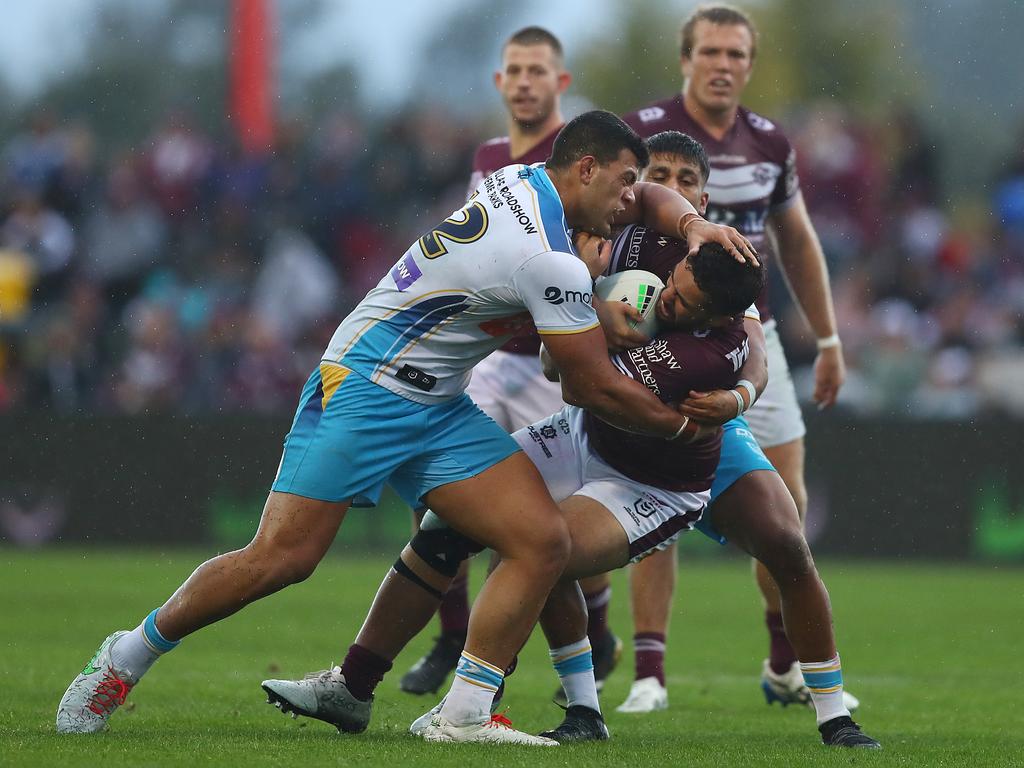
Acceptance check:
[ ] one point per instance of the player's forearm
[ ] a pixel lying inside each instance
(623, 403)
(660, 209)
(755, 368)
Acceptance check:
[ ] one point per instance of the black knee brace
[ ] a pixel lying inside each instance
(443, 549)
(404, 570)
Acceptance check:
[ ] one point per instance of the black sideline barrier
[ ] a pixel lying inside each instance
(877, 488)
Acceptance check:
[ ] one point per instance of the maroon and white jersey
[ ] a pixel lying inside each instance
(674, 363)
(753, 169)
(489, 157)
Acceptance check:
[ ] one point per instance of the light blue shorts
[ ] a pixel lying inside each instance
(351, 436)
(740, 454)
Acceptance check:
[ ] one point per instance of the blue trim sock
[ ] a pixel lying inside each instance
(574, 664)
(469, 700)
(137, 651)
(824, 679)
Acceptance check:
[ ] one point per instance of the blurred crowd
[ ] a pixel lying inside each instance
(184, 275)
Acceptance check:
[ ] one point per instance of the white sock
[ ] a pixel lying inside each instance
(472, 692)
(136, 651)
(574, 664)
(824, 679)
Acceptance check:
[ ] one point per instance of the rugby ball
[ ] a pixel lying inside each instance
(638, 288)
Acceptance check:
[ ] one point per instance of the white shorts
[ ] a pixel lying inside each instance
(512, 390)
(775, 418)
(652, 518)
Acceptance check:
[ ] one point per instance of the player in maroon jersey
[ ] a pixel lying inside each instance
(754, 187)
(748, 504)
(509, 385)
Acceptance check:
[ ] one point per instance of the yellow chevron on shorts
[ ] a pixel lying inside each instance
(331, 376)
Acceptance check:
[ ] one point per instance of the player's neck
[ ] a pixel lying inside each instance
(521, 138)
(716, 123)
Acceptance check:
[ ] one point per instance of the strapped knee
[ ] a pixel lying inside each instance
(443, 549)
(404, 570)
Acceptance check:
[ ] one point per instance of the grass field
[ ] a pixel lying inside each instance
(934, 653)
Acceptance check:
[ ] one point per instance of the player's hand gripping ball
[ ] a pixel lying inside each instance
(638, 288)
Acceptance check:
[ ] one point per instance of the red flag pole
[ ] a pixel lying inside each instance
(252, 87)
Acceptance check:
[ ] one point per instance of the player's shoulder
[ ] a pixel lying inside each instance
(766, 131)
(526, 206)
(653, 118)
(491, 154)
(640, 247)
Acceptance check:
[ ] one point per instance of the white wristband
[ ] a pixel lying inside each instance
(829, 341)
(751, 390)
(739, 402)
(686, 420)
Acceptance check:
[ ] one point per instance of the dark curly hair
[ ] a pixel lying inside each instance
(730, 286)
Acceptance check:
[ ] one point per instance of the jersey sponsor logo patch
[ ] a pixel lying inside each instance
(650, 113)
(539, 440)
(405, 273)
(760, 123)
(555, 295)
(417, 378)
(739, 355)
(647, 505)
(636, 241)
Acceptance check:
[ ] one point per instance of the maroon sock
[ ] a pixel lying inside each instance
(454, 609)
(597, 613)
(650, 655)
(363, 670)
(781, 654)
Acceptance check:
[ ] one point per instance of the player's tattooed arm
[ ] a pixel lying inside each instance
(720, 405)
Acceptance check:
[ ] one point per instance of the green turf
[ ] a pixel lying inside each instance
(932, 651)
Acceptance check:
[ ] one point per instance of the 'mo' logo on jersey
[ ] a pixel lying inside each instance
(556, 296)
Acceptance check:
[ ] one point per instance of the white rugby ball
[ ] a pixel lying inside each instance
(638, 288)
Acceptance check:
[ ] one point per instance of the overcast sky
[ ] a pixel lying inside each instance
(39, 38)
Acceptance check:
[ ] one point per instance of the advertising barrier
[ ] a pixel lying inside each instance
(877, 488)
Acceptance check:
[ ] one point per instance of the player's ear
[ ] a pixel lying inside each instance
(564, 81)
(588, 167)
(498, 77)
(703, 207)
(685, 66)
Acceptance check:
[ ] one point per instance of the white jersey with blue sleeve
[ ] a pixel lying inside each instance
(468, 285)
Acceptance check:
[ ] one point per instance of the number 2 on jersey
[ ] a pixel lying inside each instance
(470, 228)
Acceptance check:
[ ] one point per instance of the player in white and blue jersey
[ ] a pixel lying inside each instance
(748, 503)
(386, 405)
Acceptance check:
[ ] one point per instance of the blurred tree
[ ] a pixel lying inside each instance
(141, 60)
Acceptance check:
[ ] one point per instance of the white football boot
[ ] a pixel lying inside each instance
(419, 725)
(93, 696)
(323, 695)
(790, 688)
(645, 695)
(497, 729)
